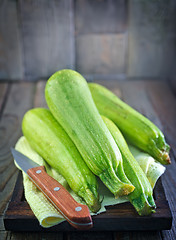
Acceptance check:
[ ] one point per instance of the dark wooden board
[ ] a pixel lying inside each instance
(19, 217)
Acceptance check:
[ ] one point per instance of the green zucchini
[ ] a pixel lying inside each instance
(136, 128)
(51, 142)
(70, 101)
(152, 168)
(142, 196)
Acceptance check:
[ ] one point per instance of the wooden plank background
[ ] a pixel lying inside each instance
(110, 39)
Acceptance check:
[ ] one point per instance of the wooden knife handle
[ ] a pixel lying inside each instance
(76, 214)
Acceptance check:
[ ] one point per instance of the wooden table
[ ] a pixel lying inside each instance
(154, 99)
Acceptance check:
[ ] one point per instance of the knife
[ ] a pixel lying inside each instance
(76, 214)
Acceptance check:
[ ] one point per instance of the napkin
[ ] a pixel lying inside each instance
(46, 213)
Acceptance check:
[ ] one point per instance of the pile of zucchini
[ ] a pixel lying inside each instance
(82, 136)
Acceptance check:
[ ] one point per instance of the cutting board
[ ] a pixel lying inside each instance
(120, 217)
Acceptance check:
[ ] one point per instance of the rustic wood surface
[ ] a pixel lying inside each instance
(11, 63)
(154, 99)
(150, 38)
(110, 17)
(46, 31)
(101, 53)
(113, 37)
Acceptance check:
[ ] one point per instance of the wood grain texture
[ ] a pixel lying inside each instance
(1, 223)
(26, 236)
(90, 235)
(8, 171)
(47, 33)
(101, 54)
(11, 63)
(39, 37)
(110, 17)
(4, 235)
(3, 92)
(35, 236)
(169, 183)
(18, 101)
(152, 235)
(164, 103)
(172, 82)
(53, 236)
(39, 98)
(151, 50)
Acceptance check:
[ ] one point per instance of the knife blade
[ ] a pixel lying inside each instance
(76, 214)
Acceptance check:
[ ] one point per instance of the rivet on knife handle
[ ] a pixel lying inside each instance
(75, 213)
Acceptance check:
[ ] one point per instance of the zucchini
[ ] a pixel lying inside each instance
(142, 196)
(70, 101)
(136, 128)
(51, 142)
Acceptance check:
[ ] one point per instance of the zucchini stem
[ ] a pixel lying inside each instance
(114, 184)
